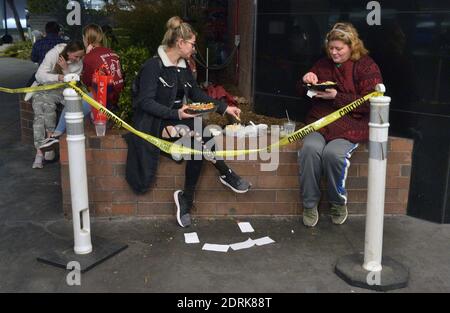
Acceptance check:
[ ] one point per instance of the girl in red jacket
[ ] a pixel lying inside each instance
(98, 56)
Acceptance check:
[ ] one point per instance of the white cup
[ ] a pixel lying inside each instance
(289, 127)
(100, 128)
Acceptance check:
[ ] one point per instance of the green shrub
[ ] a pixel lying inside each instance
(46, 6)
(145, 25)
(131, 59)
(139, 33)
(20, 50)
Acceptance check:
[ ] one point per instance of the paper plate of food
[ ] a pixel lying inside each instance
(322, 86)
(235, 130)
(246, 131)
(200, 108)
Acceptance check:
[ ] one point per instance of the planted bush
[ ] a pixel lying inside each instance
(20, 50)
(131, 59)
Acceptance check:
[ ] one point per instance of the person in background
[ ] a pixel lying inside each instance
(43, 45)
(329, 150)
(165, 84)
(63, 59)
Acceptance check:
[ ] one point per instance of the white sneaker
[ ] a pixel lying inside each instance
(49, 155)
(38, 161)
(49, 144)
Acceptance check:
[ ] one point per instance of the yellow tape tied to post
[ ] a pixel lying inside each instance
(172, 148)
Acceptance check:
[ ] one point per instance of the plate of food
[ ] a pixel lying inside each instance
(200, 108)
(235, 130)
(322, 86)
(239, 130)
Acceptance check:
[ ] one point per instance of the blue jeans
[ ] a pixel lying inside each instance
(61, 127)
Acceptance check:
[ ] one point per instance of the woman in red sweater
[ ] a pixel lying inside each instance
(329, 150)
(98, 56)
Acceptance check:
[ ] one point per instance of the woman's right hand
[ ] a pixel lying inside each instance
(183, 115)
(63, 63)
(310, 78)
(61, 78)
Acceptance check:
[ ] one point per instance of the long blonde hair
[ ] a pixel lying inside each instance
(93, 35)
(348, 34)
(177, 28)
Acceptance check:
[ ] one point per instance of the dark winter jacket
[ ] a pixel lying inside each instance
(155, 101)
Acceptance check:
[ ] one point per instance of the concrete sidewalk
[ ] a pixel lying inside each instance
(158, 260)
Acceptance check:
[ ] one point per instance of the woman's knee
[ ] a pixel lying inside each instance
(49, 108)
(311, 148)
(38, 107)
(332, 156)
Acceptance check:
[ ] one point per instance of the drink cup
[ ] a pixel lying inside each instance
(100, 128)
(289, 127)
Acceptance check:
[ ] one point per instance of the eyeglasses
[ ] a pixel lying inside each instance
(193, 44)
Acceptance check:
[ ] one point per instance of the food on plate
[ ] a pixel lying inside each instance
(322, 86)
(234, 127)
(199, 107)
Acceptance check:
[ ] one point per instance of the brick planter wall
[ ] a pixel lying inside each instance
(273, 193)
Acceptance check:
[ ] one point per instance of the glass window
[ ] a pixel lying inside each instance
(411, 46)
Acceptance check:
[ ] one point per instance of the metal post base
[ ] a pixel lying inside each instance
(393, 275)
(63, 254)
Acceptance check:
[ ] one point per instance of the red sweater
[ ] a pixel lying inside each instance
(93, 60)
(355, 80)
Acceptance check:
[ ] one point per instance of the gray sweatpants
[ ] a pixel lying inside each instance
(44, 107)
(333, 160)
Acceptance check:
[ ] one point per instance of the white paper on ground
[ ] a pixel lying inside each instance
(246, 227)
(243, 245)
(191, 238)
(263, 241)
(217, 248)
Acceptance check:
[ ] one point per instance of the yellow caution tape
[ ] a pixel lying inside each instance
(34, 89)
(170, 147)
(173, 148)
(163, 145)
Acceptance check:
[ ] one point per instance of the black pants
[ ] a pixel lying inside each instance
(193, 166)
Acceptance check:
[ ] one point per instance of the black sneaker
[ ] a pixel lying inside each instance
(51, 143)
(235, 182)
(183, 209)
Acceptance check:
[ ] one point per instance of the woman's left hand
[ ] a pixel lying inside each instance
(328, 94)
(63, 63)
(234, 111)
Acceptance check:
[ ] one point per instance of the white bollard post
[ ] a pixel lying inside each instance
(378, 143)
(367, 271)
(77, 169)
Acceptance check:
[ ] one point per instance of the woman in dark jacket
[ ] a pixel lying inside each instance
(165, 81)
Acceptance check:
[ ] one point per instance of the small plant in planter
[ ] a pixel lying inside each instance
(131, 59)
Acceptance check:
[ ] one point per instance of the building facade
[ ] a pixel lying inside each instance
(409, 40)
